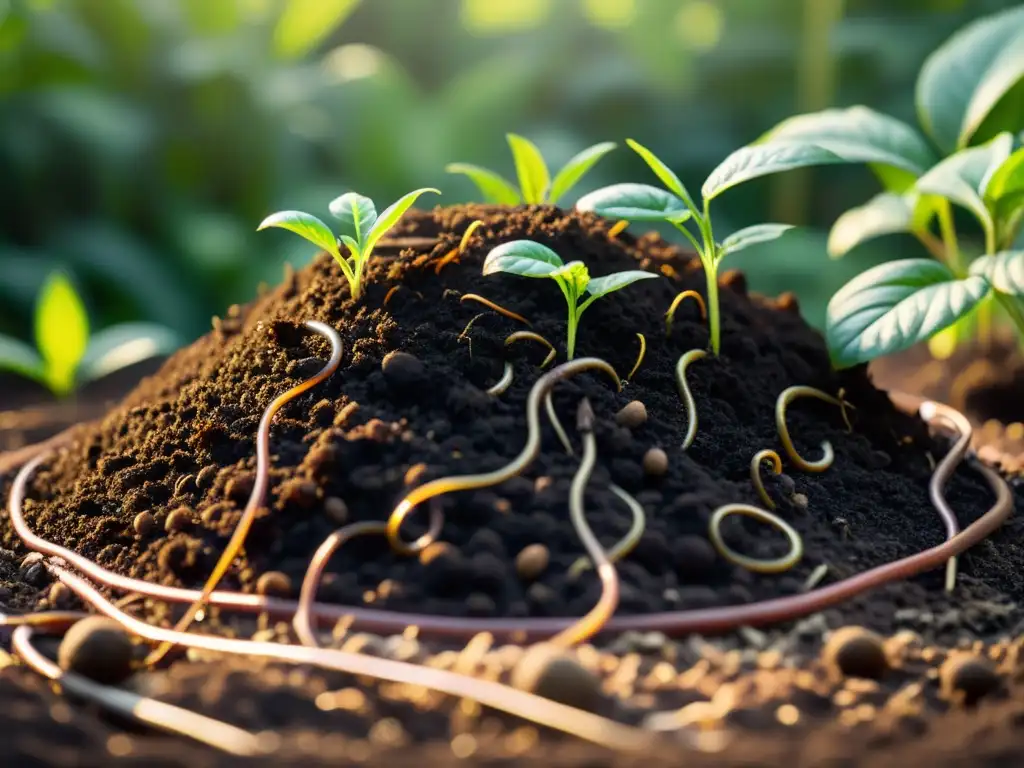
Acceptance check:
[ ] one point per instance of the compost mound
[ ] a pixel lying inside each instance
(351, 447)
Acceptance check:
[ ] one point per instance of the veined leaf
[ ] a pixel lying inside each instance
(884, 214)
(305, 225)
(602, 286)
(894, 306)
(1004, 271)
(859, 134)
(390, 216)
(19, 357)
(635, 202)
(663, 172)
(1007, 179)
(122, 345)
(305, 23)
(959, 176)
(62, 332)
(493, 187)
(523, 257)
(964, 78)
(530, 168)
(748, 236)
(356, 213)
(763, 159)
(575, 169)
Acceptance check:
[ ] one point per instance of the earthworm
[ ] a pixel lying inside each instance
(143, 709)
(627, 543)
(781, 404)
(531, 336)
(684, 392)
(689, 294)
(796, 544)
(502, 385)
(639, 357)
(703, 620)
(260, 486)
(496, 307)
(617, 228)
(483, 480)
(755, 473)
(556, 423)
(528, 706)
(589, 625)
(960, 424)
(389, 294)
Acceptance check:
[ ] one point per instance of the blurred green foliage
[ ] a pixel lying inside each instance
(142, 141)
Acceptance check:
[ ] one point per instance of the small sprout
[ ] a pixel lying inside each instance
(496, 307)
(791, 558)
(66, 356)
(671, 314)
(531, 259)
(755, 473)
(391, 292)
(535, 182)
(361, 229)
(639, 357)
(473, 227)
(618, 228)
(780, 422)
(448, 258)
(531, 336)
(504, 382)
(687, 396)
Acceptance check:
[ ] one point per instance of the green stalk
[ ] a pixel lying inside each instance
(709, 258)
(949, 239)
(571, 343)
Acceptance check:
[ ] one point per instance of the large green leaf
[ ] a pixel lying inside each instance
(859, 134)
(390, 216)
(356, 213)
(19, 357)
(763, 159)
(602, 286)
(493, 187)
(530, 168)
(894, 306)
(662, 171)
(748, 236)
(961, 176)
(635, 202)
(1004, 270)
(305, 225)
(964, 78)
(522, 257)
(1007, 179)
(122, 345)
(62, 332)
(303, 24)
(576, 168)
(884, 214)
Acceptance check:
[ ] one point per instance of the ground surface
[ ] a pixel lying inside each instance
(185, 437)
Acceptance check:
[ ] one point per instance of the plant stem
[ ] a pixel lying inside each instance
(709, 258)
(574, 318)
(949, 239)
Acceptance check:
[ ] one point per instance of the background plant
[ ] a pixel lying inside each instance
(535, 182)
(527, 258)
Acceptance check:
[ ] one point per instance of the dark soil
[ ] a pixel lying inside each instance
(185, 437)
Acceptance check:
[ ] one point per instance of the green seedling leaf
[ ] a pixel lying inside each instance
(859, 134)
(576, 168)
(896, 305)
(305, 225)
(964, 78)
(1004, 271)
(18, 357)
(750, 162)
(635, 202)
(1007, 179)
(575, 276)
(957, 179)
(390, 217)
(354, 249)
(663, 172)
(748, 236)
(62, 332)
(884, 214)
(602, 286)
(305, 23)
(122, 345)
(493, 187)
(523, 257)
(356, 213)
(530, 168)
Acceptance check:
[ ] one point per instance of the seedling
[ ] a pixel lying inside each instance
(361, 229)
(535, 182)
(960, 101)
(531, 259)
(642, 202)
(65, 357)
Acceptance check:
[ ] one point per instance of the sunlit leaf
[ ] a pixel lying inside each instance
(62, 332)
(1004, 270)
(390, 216)
(122, 345)
(305, 23)
(356, 213)
(576, 168)
(522, 257)
(530, 168)
(493, 187)
(884, 214)
(748, 236)
(634, 202)
(756, 160)
(602, 286)
(1007, 179)
(305, 225)
(662, 171)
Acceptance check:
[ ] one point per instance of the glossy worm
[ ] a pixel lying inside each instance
(690, 294)
(627, 543)
(791, 558)
(502, 384)
(783, 401)
(531, 336)
(684, 392)
(639, 357)
(755, 473)
(496, 307)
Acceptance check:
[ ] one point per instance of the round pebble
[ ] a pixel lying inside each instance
(178, 520)
(967, 678)
(275, 584)
(632, 415)
(800, 500)
(336, 510)
(96, 647)
(532, 561)
(855, 652)
(402, 369)
(144, 523)
(549, 672)
(655, 462)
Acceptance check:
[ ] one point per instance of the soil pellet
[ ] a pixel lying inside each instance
(532, 561)
(402, 369)
(655, 462)
(144, 523)
(96, 647)
(336, 510)
(855, 652)
(206, 476)
(178, 520)
(274, 584)
(966, 678)
(551, 673)
(239, 487)
(632, 415)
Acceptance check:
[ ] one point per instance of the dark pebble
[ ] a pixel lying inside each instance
(549, 672)
(402, 369)
(532, 561)
(96, 647)
(336, 510)
(144, 523)
(966, 678)
(855, 652)
(693, 555)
